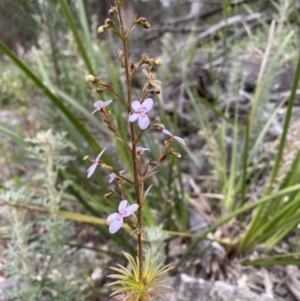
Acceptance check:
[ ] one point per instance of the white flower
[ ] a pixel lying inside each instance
(116, 219)
(92, 168)
(140, 110)
(180, 140)
(100, 105)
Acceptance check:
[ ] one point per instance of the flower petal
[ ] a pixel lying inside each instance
(141, 150)
(179, 140)
(99, 156)
(167, 132)
(98, 104)
(144, 122)
(130, 209)
(115, 225)
(148, 104)
(112, 217)
(136, 105)
(96, 110)
(106, 103)
(91, 169)
(112, 176)
(133, 117)
(122, 205)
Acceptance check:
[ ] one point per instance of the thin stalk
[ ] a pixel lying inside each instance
(133, 150)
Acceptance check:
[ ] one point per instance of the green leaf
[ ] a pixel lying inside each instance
(233, 214)
(262, 212)
(284, 259)
(15, 137)
(77, 36)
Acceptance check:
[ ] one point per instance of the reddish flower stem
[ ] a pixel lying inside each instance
(133, 149)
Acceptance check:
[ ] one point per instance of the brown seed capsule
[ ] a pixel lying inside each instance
(107, 195)
(109, 22)
(153, 163)
(176, 154)
(154, 91)
(163, 157)
(100, 89)
(158, 125)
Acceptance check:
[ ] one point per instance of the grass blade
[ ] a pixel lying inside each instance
(67, 12)
(54, 99)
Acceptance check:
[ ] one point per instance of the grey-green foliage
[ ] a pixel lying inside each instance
(43, 264)
(20, 258)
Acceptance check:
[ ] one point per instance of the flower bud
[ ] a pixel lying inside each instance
(120, 53)
(142, 21)
(146, 25)
(91, 78)
(85, 157)
(157, 62)
(108, 23)
(101, 29)
(112, 10)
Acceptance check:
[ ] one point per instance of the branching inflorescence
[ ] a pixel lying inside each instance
(138, 284)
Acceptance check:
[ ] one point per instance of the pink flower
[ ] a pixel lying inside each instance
(92, 168)
(100, 105)
(113, 176)
(140, 110)
(116, 219)
(180, 140)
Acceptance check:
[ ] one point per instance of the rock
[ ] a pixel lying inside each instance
(197, 289)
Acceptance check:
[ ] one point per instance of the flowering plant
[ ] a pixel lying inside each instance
(143, 281)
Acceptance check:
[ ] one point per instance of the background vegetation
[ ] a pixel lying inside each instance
(47, 49)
